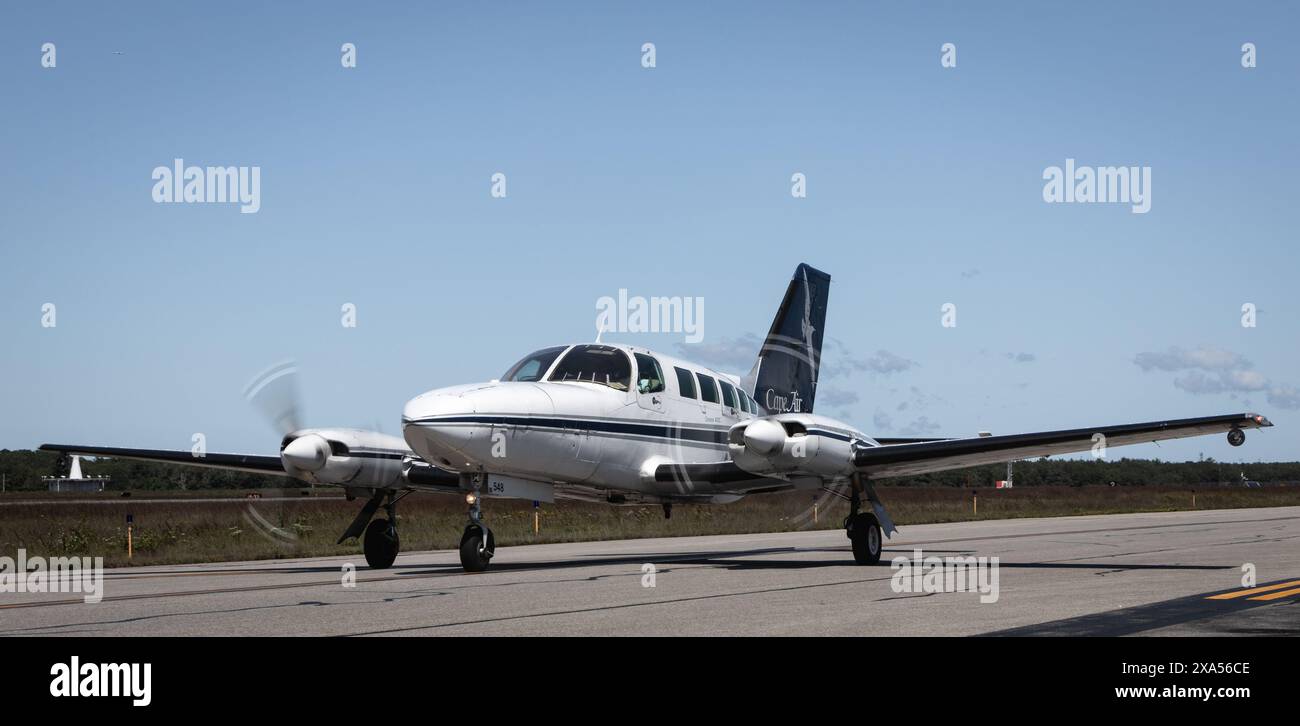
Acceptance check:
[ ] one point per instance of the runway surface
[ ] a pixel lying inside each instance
(1130, 574)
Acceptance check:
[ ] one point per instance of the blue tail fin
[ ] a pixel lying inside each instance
(784, 378)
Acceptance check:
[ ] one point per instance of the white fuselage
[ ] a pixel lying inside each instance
(584, 432)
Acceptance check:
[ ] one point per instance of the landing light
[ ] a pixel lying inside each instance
(471, 498)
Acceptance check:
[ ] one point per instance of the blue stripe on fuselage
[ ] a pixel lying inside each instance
(613, 426)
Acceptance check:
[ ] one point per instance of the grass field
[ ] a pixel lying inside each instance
(181, 531)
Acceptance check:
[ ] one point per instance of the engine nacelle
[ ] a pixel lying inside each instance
(792, 444)
(343, 456)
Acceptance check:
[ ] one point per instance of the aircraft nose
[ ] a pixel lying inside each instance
(453, 426)
(438, 425)
(434, 405)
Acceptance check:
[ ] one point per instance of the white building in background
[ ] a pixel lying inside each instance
(74, 481)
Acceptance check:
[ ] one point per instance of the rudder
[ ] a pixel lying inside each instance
(784, 378)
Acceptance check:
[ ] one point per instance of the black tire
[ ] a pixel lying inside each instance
(470, 557)
(381, 544)
(868, 541)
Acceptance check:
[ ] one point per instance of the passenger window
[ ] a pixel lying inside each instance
(685, 383)
(708, 391)
(649, 377)
(728, 394)
(744, 401)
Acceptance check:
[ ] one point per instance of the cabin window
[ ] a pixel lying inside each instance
(649, 377)
(728, 394)
(685, 383)
(533, 366)
(708, 391)
(599, 364)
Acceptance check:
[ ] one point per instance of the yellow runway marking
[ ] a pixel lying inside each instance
(1253, 591)
(1276, 595)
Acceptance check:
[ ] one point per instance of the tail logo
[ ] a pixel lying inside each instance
(782, 404)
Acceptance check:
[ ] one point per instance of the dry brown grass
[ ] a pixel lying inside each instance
(182, 531)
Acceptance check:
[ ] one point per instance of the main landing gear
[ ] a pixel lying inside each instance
(380, 542)
(863, 529)
(477, 545)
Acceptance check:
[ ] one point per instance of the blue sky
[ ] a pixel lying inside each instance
(924, 187)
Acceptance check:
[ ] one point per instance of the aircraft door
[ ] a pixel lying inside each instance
(649, 383)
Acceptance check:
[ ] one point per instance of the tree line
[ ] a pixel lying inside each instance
(1116, 472)
(23, 471)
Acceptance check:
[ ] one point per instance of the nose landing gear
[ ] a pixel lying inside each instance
(477, 545)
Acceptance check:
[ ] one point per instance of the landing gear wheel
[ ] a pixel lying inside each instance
(475, 554)
(381, 544)
(864, 533)
(1236, 437)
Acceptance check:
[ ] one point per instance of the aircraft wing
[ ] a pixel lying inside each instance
(237, 462)
(924, 457)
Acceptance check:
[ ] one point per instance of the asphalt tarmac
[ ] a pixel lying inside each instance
(1174, 573)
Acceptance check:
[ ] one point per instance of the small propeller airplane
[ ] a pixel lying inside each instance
(622, 424)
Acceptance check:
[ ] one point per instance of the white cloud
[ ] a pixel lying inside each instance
(728, 354)
(1284, 396)
(883, 362)
(1203, 358)
(921, 426)
(1207, 370)
(836, 396)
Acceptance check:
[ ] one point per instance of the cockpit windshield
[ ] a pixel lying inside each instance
(534, 365)
(595, 364)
